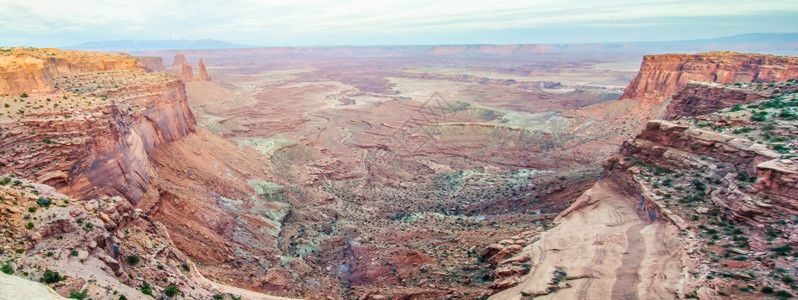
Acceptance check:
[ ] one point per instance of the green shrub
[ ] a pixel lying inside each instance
(218, 297)
(44, 202)
(133, 259)
(171, 291)
(50, 277)
(783, 294)
(8, 269)
(780, 148)
(787, 279)
(699, 186)
(29, 226)
(185, 267)
(79, 295)
(782, 250)
(767, 290)
(146, 289)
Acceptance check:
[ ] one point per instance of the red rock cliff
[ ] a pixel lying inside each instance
(95, 139)
(661, 76)
(186, 74)
(178, 60)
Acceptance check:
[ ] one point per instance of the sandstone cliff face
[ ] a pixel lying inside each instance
(27, 70)
(203, 74)
(118, 160)
(153, 63)
(95, 140)
(661, 76)
(178, 60)
(186, 73)
(23, 74)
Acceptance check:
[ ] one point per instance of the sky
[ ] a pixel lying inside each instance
(59, 23)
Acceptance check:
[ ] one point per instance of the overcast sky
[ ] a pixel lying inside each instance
(374, 22)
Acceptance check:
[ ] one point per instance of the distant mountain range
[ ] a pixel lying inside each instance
(752, 38)
(772, 43)
(138, 45)
(781, 42)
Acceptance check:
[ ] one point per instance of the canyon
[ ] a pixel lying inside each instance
(399, 172)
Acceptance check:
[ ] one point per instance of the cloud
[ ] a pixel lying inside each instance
(240, 19)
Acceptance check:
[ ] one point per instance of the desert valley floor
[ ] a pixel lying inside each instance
(434, 172)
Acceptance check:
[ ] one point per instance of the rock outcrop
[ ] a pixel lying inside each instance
(153, 63)
(203, 74)
(186, 73)
(661, 76)
(178, 60)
